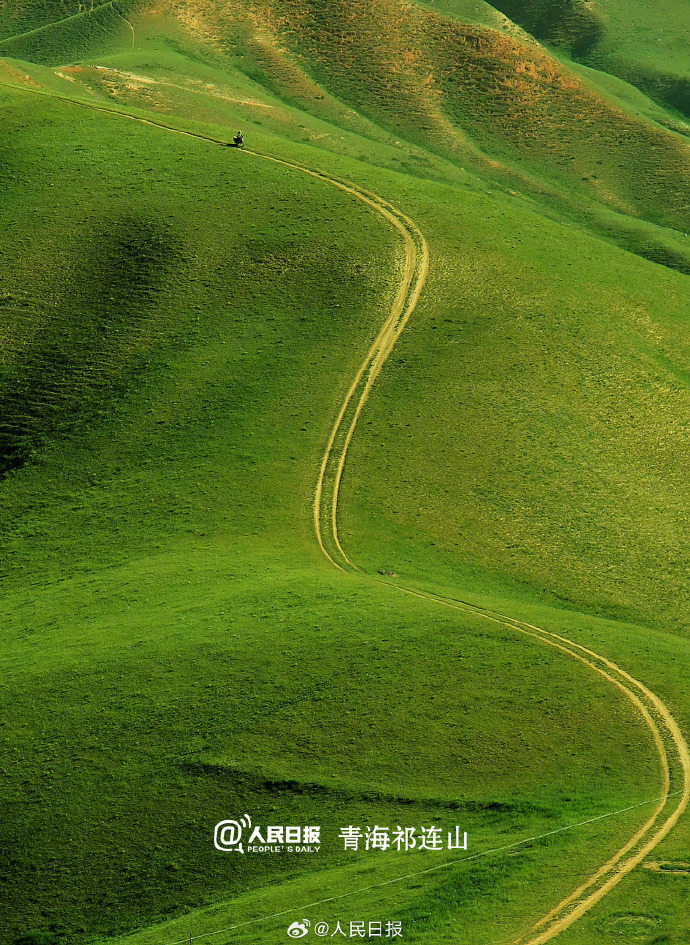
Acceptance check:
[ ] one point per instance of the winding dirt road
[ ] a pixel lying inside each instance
(656, 716)
(674, 757)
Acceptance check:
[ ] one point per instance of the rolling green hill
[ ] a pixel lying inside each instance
(181, 323)
(645, 44)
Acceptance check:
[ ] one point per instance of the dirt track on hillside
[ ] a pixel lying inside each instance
(655, 714)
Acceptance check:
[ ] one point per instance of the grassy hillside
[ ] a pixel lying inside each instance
(485, 97)
(55, 33)
(137, 603)
(180, 323)
(645, 44)
(551, 424)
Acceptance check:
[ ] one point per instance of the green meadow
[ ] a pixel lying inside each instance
(180, 323)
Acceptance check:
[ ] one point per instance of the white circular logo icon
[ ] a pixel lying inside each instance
(299, 929)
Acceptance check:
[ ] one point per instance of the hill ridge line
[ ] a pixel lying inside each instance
(65, 19)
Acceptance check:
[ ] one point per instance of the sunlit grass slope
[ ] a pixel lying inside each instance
(477, 91)
(461, 79)
(57, 32)
(175, 648)
(643, 43)
(461, 88)
(556, 430)
(180, 323)
(19, 16)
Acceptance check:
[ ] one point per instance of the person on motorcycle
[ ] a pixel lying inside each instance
(239, 140)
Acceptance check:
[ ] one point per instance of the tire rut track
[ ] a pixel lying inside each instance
(652, 710)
